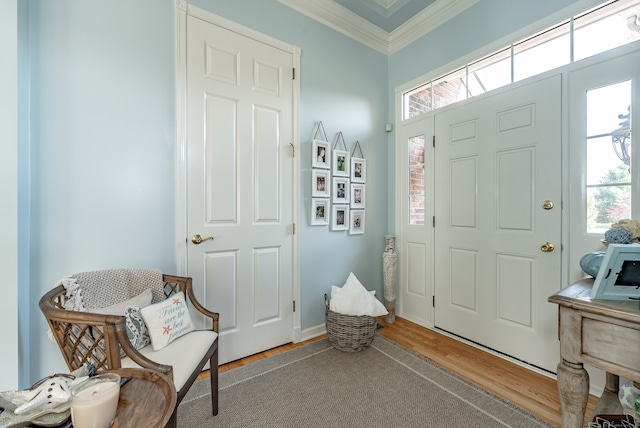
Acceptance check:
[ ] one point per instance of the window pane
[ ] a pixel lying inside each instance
(490, 73)
(417, 102)
(608, 156)
(449, 89)
(416, 180)
(542, 52)
(604, 105)
(603, 165)
(615, 21)
(607, 205)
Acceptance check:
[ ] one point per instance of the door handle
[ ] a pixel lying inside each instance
(197, 239)
(547, 247)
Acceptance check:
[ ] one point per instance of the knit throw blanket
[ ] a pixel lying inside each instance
(98, 289)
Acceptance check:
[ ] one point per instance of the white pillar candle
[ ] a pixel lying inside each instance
(95, 402)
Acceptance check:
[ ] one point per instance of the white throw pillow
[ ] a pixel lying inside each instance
(167, 320)
(354, 299)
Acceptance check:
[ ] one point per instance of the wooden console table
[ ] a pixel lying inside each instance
(601, 333)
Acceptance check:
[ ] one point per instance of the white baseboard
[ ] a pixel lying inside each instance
(310, 333)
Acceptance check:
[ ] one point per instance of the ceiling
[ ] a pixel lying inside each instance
(386, 14)
(384, 25)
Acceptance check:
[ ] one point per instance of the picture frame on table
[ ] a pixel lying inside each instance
(619, 274)
(341, 190)
(358, 170)
(339, 217)
(321, 154)
(358, 195)
(320, 183)
(319, 212)
(340, 163)
(356, 224)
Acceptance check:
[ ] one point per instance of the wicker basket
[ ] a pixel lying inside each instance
(349, 333)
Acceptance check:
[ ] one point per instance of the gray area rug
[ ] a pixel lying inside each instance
(316, 385)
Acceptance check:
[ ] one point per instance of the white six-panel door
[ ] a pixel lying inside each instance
(498, 214)
(240, 167)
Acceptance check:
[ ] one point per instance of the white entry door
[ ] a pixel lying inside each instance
(240, 190)
(497, 220)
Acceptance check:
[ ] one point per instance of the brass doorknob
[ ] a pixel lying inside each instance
(197, 239)
(547, 205)
(547, 247)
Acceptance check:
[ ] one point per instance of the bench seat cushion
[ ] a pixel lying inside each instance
(183, 354)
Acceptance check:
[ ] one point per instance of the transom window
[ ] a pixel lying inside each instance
(608, 26)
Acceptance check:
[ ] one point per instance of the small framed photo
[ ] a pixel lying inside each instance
(341, 163)
(356, 225)
(358, 195)
(340, 217)
(319, 212)
(320, 154)
(341, 190)
(358, 170)
(321, 183)
(619, 274)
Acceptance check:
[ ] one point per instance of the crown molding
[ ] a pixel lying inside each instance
(341, 19)
(426, 21)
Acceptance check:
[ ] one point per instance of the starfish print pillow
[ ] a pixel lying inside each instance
(167, 320)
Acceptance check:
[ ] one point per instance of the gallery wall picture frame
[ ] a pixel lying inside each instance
(339, 217)
(358, 170)
(321, 152)
(321, 149)
(319, 211)
(357, 222)
(341, 163)
(341, 190)
(320, 183)
(358, 195)
(340, 159)
(358, 164)
(619, 274)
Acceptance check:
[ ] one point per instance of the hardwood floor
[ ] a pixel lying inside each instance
(530, 391)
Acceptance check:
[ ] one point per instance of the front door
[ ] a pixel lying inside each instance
(497, 220)
(240, 166)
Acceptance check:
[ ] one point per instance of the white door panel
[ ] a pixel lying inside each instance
(415, 232)
(497, 160)
(240, 185)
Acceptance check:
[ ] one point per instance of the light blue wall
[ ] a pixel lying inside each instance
(103, 144)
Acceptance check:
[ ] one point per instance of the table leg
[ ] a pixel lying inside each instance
(573, 387)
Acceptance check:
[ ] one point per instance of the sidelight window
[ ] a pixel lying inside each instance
(608, 143)
(416, 180)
